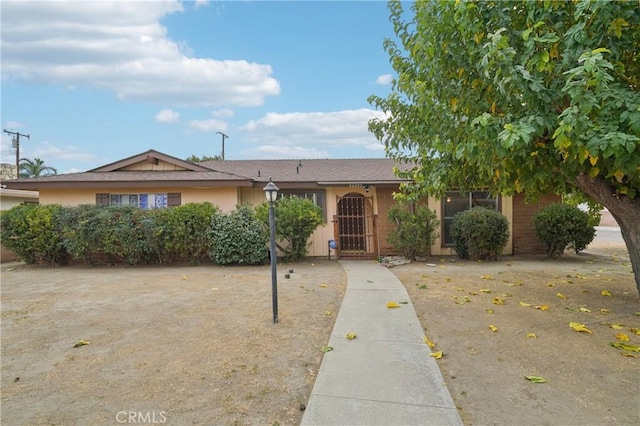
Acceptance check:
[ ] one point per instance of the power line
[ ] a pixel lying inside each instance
(16, 144)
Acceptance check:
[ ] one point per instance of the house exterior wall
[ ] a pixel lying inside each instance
(148, 165)
(226, 198)
(525, 240)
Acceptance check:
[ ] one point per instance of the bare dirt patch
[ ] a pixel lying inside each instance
(174, 345)
(588, 382)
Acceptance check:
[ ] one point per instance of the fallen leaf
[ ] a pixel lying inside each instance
(585, 310)
(485, 277)
(498, 301)
(535, 379)
(542, 307)
(526, 305)
(437, 355)
(369, 281)
(493, 328)
(485, 290)
(326, 349)
(635, 330)
(605, 293)
(392, 305)
(623, 337)
(429, 342)
(628, 354)
(327, 312)
(576, 326)
(351, 336)
(551, 285)
(617, 326)
(184, 277)
(604, 311)
(489, 311)
(532, 335)
(561, 296)
(404, 303)
(625, 346)
(473, 293)
(81, 343)
(323, 286)
(459, 289)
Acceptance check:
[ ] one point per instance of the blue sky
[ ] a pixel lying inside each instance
(94, 81)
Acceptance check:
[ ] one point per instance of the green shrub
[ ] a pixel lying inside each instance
(124, 234)
(33, 232)
(80, 231)
(237, 237)
(560, 226)
(182, 231)
(415, 232)
(479, 233)
(296, 219)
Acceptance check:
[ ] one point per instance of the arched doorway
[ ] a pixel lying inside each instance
(355, 227)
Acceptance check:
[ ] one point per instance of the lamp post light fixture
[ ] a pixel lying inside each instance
(271, 193)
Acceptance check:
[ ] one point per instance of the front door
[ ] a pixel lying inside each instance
(355, 226)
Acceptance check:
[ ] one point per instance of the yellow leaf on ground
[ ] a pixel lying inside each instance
(532, 335)
(81, 343)
(585, 310)
(623, 337)
(351, 336)
(625, 346)
(485, 290)
(323, 286)
(184, 277)
(526, 305)
(392, 305)
(604, 311)
(550, 285)
(429, 342)
(617, 326)
(605, 293)
(437, 355)
(493, 328)
(635, 330)
(628, 354)
(561, 296)
(576, 326)
(485, 277)
(327, 312)
(498, 301)
(489, 311)
(535, 379)
(542, 307)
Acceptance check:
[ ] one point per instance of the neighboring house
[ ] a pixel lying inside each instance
(8, 199)
(354, 194)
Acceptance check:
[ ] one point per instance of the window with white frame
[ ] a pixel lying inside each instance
(455, 202)
(143, 201)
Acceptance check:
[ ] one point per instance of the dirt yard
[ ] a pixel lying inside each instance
(178, 345)
(531, 302)
(196, 345)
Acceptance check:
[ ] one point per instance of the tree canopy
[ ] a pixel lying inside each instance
(195, 159)
(518, 96)
(35, 168)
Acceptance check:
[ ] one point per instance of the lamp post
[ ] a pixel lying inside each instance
(271, 192)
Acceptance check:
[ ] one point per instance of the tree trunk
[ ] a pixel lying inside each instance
(625, 210)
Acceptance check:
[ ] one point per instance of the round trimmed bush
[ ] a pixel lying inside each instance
(560, 226)
(479, 233)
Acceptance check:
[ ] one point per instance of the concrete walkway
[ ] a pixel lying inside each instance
(385, 376)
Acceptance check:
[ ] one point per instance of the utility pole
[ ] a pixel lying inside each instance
(223, 138)
(16, 145)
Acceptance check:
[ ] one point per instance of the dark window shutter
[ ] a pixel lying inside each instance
(174, 199)
(102, 199)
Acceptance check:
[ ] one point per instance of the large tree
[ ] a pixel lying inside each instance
(519, 96)
(35, 168)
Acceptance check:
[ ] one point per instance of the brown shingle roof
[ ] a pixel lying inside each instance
(286, 173)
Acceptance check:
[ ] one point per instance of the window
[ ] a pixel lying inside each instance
(454, 202)
(143, 201)
(318, 198)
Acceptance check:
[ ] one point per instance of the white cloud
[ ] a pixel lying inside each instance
(167, 116)
(224, 112)
(347, 128)
(122, 47)
(208, 125)
(280, 152)
(47, 152)
(384, 79)
(201, 3)
(11, 125)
